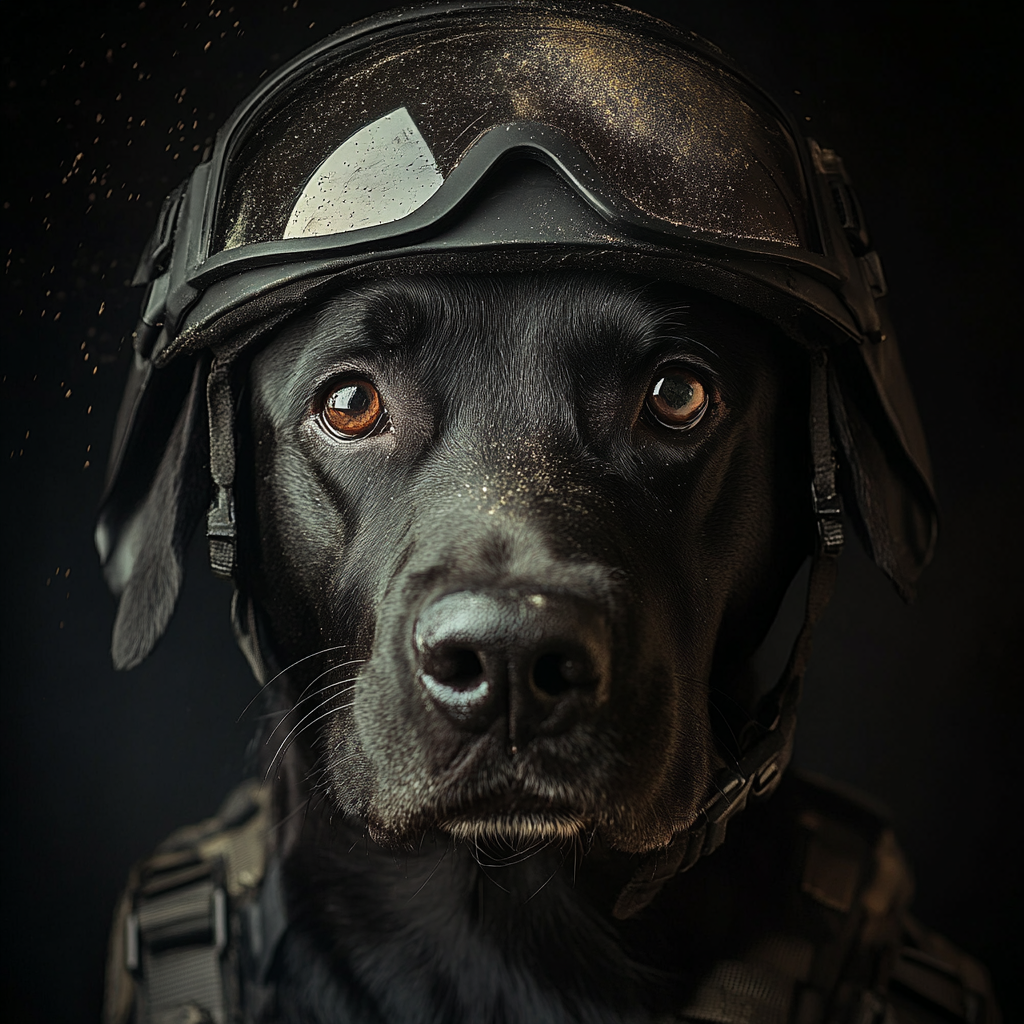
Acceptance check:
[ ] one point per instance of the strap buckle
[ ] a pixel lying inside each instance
(221, 533)
(755, 776)
(828, 511)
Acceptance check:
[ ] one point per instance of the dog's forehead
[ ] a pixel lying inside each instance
(467, 322)
(553, 309)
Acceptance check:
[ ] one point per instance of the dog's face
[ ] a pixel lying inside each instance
(531, 523)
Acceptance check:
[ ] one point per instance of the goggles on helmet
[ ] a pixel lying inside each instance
(395, 141)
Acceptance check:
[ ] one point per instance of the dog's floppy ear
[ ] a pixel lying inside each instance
(145, 554)
(886, 471)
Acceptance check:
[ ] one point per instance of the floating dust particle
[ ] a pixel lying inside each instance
(67, 394)
(87, 464)
(62, 624)
(67, 573)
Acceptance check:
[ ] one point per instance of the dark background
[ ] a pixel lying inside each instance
(106, 108)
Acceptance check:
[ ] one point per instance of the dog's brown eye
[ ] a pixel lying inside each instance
(677, 399)
(353, 409)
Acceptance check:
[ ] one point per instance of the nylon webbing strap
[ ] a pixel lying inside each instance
(828, 509)
(221, 525)
(174, 941)
(221, 533)
(764, 759)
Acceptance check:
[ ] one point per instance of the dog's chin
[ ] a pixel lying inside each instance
(516, 831)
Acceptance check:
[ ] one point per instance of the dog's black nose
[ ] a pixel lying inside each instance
(541, 658)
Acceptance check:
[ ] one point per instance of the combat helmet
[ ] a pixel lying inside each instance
(502, 137)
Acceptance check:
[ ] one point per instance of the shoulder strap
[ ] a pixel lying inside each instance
(868, 960)
(174, 953)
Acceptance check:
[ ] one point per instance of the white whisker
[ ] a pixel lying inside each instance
(324, 703)
(294, 664)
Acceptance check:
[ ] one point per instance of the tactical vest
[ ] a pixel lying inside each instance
(197, 928)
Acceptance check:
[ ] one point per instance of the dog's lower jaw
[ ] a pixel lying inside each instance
(634, 824)
(634, 813)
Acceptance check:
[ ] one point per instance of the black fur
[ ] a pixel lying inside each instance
(439, 871)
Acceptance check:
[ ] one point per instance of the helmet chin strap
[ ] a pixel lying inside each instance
(767, 742)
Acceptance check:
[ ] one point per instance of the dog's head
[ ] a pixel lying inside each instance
(510, 345)
(529, 521)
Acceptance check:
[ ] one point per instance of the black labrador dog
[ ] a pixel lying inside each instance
(505, 541)
(517, 537)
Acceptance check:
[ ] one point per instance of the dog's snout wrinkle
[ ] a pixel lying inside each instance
(541, 660)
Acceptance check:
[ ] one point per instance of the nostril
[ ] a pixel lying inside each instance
(555, 674)
(459, 686)
(458, 667)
